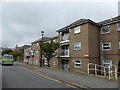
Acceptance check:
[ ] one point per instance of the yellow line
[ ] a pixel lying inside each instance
(47, 77)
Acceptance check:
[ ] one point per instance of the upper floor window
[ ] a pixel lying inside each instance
(77, 46)
(54, 40)
(77, 63)
(118, 26)
(105, 30)
(106, 46)
(37, 44)
(77, 30)
(107, 63)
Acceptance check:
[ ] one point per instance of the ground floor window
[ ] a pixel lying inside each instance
(77, 63)
(107, 63)
(106, 46)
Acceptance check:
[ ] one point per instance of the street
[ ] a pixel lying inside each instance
(15, 77)
(22, 75)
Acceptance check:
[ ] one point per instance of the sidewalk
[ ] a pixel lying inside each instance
(82, 80)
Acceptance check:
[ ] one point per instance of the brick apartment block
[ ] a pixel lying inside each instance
(83, 42)
(32, 54)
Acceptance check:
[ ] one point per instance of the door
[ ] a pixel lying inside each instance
(65, 64)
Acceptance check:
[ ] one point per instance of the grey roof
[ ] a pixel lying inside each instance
(110, 21)
(77, 23)
(83, 21)
(25, 46)
(44, 39)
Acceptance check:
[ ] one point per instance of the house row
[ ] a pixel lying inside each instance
(82, 42)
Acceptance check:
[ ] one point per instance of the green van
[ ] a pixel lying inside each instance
(7, 59)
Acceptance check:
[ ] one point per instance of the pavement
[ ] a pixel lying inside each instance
(74, 78)
(15, 77)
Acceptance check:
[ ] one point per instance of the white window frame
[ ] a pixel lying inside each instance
(37, 52)
(54, 40)
(118, 28)
(77, 30)
(105, 32)
(77, 63)
(106, 46)
(107, 63)
(37, 44)
(77, 45)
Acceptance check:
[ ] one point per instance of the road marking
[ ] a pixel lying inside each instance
(48, 77)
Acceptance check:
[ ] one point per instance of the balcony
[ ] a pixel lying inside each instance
(64, 53)
(65, 38)
(27, 54)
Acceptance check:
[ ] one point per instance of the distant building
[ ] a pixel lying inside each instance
(32, 53)
(21, 49)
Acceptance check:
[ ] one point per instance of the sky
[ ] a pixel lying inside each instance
(22, 22)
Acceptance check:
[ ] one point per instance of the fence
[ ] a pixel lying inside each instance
(99, 69)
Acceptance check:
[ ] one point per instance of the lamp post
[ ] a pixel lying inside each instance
(42, 33)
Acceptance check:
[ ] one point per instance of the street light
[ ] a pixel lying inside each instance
(42, 33)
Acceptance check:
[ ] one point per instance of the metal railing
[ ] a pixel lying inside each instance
(110, 71)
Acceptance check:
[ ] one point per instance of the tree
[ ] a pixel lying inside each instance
(6, 51)
(16, 54)
(49, 49)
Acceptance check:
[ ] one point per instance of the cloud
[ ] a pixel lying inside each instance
(22, 22)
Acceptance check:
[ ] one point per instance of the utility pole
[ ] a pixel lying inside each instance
(42, 33)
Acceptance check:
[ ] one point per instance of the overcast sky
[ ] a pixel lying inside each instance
(22, 22)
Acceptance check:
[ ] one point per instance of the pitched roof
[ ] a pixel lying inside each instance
(25, 46)
(110, 21)
(44, 39)
(77, 23)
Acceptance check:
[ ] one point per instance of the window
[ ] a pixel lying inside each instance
(119, 45)
(77, 63)
(54, 40)
(8, 57)
(37, 52)
(106, 46)
(118, 26)
(107, 63)
(105, 30)
(77, 30)
(37, 44)
(77, 46)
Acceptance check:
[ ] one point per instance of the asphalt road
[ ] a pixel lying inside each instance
(15, 77)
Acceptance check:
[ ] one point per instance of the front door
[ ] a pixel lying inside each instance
(65, 64)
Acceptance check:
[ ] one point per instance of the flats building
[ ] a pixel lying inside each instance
(84, 41)
(33, 55)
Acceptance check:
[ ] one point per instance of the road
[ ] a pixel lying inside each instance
(15, 77)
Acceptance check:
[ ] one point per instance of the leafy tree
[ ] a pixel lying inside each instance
(6, 51)
(49, 49)
(16, 54)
